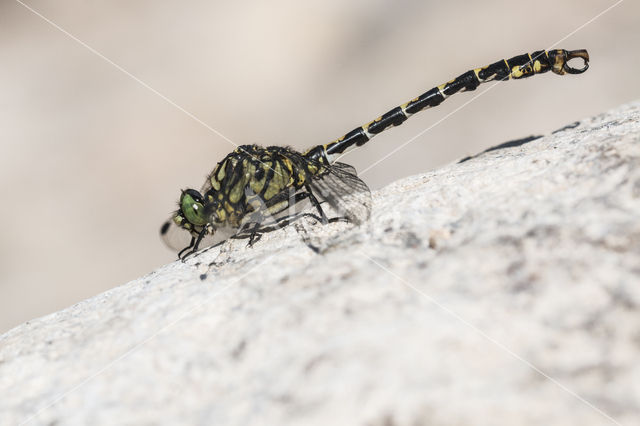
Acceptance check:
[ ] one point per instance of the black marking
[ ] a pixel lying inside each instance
(395, 117)
(197, 197)
(355, 137)
(543, 59)
(496, 71)
(259, 174)
(316, 154)
(466, 81)
(267, 182)
(165, 227)
(428, 99)
(519, 60)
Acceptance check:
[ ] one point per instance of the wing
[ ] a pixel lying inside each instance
(345, 192)
(177, 238)
(173, 236)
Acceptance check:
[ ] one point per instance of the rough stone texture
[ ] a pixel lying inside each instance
(468, 285)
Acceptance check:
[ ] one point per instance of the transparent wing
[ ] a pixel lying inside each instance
(173, 236)
(345, 192)
(207, 184)
(177, 238)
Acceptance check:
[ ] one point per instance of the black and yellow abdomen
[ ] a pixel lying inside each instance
(517, 67)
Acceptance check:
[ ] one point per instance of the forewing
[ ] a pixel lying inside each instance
(345, 192)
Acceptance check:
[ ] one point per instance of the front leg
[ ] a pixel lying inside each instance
(193, 246)
(187, 248)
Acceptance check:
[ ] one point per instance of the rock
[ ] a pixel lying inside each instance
(502, 290)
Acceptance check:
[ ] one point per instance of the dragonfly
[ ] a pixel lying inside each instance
(255, 189)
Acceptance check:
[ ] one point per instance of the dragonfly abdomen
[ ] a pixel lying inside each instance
(517, 67)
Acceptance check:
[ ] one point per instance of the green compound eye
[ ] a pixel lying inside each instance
(192, 208)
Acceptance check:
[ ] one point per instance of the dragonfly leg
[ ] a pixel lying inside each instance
(193, 246)
(254, 230)
(316, 204)
(187, 248)
(254, 235)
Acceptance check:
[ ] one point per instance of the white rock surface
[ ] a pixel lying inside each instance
(503, 290)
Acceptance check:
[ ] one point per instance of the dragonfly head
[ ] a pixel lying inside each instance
(191, 213)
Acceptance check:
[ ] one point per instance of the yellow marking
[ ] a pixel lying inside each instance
(220, 196)
(221, 172)
(212, 178)
(278, 176)
(177, 220)
(254, 201)
(477, 73)
(289, 166)
(313, 169)
(291, 179)
(222, 215)
(229, 215)
(508, 66)
(278, 207)
(237, 191)
(257, 185)
(278, 183)
(406, 105)
(516, 72)
(249, 170)
(558, 63)
(332, 143)
(302, 177)
(537, 66)
(272, 189)
(519, 71)
(366, 126)
(441, 90)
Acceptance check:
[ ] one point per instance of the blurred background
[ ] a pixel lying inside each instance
(91, 161)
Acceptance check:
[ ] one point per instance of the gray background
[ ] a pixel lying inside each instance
(91, 162)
